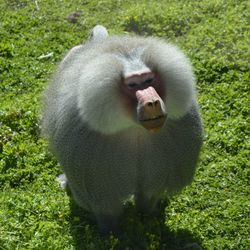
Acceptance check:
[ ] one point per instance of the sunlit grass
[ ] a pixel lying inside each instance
(211, 213)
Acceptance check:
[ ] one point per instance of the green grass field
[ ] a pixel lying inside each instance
(211, 213)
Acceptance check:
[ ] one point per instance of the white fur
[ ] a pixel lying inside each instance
(85, 101)
(99, 101)
(62, 180)
(98, 94)
(99, 33)
(176, 73)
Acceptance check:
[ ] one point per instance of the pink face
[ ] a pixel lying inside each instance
(143, 93)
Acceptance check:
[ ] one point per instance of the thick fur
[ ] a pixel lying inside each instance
(106, 155)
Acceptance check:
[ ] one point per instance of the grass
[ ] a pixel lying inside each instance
(211, 213)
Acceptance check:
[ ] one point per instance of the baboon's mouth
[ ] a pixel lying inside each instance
(154, 123)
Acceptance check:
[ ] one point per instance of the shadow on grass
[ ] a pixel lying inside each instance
(137, 232)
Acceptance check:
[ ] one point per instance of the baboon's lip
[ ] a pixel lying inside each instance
(154, 124)
(154, 118)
